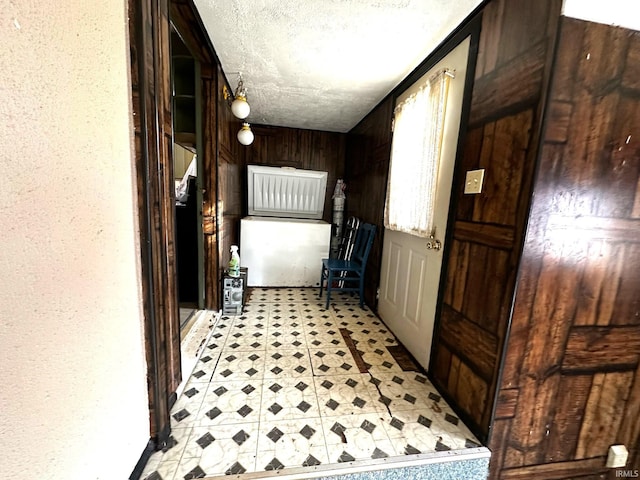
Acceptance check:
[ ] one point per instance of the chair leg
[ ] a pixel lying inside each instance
(321, 280)
(329, 284)
(361, 292)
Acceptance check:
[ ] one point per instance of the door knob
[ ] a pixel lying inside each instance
(433, 244)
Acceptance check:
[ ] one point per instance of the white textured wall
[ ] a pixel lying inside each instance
(622, 13)
(73, 391)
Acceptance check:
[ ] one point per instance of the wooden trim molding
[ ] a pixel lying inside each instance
(151, 109)
(498, 236)
(602, 349)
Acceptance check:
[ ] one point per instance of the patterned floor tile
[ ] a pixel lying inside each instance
(222, 326)
(288, 363)
(191, 398)
(459, 435)
(188, 469)
(379, 361)
(406, 391)
(226, 448)
(316, 303)
(216, 341)
(285, 338)
(352, 313)
(203, 370)
(428, 430)
(253, 322)
(277, 386)
(185, 415)
(165, 470)
(416, 438)
(249, 322)
(256, 309)
(344, 394)
(332, 361)
(360, 437)
(246, 340)
(324, 337)
(236, 364)
(288, 398)
(231, 402)
(175, 446)
(293, 443)
(372, 341)
(414, 431)
(285, 316)
(318, 322)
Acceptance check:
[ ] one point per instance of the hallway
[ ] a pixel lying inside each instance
(289, 384)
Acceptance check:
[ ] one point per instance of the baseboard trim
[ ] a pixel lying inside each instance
(144, 458)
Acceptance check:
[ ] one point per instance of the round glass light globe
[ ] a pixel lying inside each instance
(240, 108)
(245, 135)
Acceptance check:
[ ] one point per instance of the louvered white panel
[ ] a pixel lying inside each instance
(286, 192)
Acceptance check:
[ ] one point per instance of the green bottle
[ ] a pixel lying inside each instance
(234, 262)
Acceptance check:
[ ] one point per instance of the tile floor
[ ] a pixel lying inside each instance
(279, 387)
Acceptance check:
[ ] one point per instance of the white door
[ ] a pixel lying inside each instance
(410, 272)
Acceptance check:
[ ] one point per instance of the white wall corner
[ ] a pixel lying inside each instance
(621, 13)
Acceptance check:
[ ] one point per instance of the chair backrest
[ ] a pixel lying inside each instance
(364, 241)
(348, 238)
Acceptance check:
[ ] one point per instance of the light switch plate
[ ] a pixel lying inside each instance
(618, 455)
(473, 182)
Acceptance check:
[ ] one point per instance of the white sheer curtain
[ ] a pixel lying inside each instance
(415, 157)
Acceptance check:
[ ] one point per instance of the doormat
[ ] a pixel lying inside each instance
(360, 363)
(403, 358)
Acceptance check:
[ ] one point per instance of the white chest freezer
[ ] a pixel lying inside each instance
(283, 240)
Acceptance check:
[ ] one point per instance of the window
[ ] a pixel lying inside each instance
(415, 157)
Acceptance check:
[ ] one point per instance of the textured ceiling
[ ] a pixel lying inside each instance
(324, 64)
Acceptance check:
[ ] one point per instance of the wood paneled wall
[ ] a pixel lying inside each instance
(231, 163)
(209, 72)
(514, 57)
(366, 171)
(299, 148)
(571, 381)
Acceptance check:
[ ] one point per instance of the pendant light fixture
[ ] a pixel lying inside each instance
(240, 107)
(245, 135)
